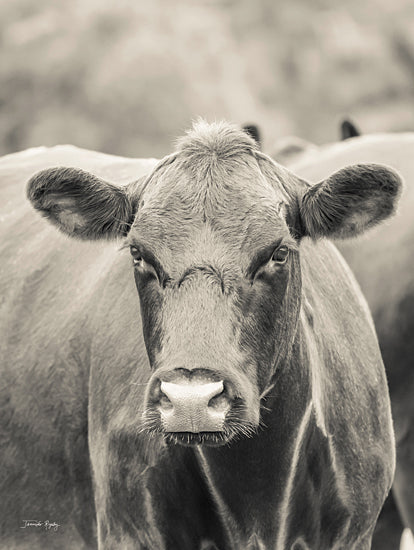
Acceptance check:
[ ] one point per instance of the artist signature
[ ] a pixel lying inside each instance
(47, 525)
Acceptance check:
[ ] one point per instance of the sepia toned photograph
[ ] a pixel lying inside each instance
(206, 275)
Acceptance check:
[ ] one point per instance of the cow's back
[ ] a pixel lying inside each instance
(52, 292)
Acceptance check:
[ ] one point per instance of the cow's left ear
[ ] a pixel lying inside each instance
(349, 202)
(81, 204)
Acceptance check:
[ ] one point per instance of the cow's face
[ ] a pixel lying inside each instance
(218, 276)
(214, 236)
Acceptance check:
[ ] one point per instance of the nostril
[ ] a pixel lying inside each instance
(220, 402)
(156, 391)
(159, 397)
(164, 401)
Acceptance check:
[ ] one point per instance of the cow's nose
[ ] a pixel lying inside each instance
(193, 404)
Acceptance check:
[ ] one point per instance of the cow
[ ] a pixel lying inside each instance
(290, 150)
(195, 367)
(383, 264)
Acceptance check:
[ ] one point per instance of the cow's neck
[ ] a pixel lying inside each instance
(269, 471)
(257, 473)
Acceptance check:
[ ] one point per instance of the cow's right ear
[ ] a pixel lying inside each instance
(81, 204)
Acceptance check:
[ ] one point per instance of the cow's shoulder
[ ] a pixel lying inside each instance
(348, 381)
(332, 299)
(53, 304)
(52, 292)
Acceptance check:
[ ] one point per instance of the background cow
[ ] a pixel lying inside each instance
(383, 262)
(291, 150)
(256, 415)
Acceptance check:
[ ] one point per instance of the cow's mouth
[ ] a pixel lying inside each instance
(235, 426)
(198, 407)
(208, 439)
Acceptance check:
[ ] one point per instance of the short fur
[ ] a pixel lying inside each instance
(383, 263)
(311, 457)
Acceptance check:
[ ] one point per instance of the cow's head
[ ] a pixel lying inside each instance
(214, 234)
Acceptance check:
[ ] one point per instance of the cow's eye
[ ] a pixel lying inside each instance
(136, 255)
(280, 255)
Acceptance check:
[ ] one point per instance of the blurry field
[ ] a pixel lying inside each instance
(128, 77)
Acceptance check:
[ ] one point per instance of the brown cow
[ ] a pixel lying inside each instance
(239, 403)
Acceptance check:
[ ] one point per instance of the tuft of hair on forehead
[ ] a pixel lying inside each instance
(208, 143)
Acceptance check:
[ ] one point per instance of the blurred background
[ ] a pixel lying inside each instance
(127, 77)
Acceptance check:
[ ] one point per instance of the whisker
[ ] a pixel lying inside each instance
(266, 391)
